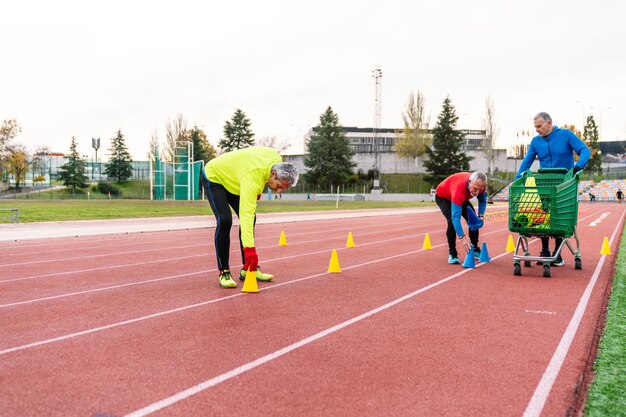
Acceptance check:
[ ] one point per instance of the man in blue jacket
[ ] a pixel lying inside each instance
(555, 148)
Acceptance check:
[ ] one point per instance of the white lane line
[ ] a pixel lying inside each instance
(182, 395)
(148, 281)
(539, 397)
(31, 253)
(178, 309)
(233, 251)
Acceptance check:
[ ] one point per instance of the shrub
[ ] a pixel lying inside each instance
(106, 188)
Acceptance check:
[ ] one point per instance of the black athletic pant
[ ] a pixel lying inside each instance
(221, 201)
(446, 208)
(545, 245)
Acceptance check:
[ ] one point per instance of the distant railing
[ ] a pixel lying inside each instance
(10, 214)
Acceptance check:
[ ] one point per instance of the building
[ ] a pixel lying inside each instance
(380, 153)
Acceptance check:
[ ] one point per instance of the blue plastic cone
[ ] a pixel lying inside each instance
(469, 259)
(473, 222)
(484, 254)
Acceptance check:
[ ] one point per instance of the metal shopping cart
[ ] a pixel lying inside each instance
(544, 204)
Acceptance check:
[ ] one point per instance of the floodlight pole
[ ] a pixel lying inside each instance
(377, 73)
(95, 144)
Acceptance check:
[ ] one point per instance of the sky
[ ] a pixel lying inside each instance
(85, 69)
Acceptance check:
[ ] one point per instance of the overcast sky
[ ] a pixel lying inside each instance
(89, 68)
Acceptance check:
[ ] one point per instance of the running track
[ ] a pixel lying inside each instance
(136, 324)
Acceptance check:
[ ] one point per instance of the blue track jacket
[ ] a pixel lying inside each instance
(556, 151)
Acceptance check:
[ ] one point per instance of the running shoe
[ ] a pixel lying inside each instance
(559, 261)
(260, 276)
(226, 279)
(543, 254)
(453, 260)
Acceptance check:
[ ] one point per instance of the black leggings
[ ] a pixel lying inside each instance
(446, 208)
(221, 201)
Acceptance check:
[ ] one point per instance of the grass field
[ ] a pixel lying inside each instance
(607, 394)
(58, 210)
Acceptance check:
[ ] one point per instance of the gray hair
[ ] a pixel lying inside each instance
(286, 172)
(543, 115)
(478, 175)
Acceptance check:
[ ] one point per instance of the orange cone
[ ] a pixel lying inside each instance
(350, 241)
(334, 262)
(250, 284)
(427, 244)
(606, 248)
(510, 246)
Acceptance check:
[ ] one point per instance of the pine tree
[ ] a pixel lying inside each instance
(119, 167)
(591, 137)
(73, 172)
(237, 133)
(202, 148)
(445, 155)
(329, 156)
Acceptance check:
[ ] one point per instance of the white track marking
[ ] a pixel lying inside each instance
(539, 397)
(181, 395)
(179, 309)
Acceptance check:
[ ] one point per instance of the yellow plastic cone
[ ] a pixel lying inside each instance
(334, 262)
(250, 284)
(283, 239)
(427, 244)
(606, 248)
(510, 246)
(350, 242)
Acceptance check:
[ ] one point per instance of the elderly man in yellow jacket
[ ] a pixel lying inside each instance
(236, 179)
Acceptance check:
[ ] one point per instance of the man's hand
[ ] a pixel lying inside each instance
(258, 197)
(251, 260)
(466, 244)
(576, 169)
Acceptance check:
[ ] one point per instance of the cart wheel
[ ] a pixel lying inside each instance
(517, 269)
(546, 271)
(527, 264)
(578, 263)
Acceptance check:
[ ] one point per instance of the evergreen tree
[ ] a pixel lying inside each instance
(202, 148)
(73, 172)
(119, 166)
(329, 156)
(237, 133)
(591, 138)
(445, 155)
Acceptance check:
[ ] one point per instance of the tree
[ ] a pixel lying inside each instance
(330, 157)
(73, 172)
(237, 133)
(176, 135)
(18, 165)
(415, 136)
(491, 131)
(119, 167)
(272, 142)
(591, 137)
(9, 129)
(202, 148)
(153, 146)
(445, 155)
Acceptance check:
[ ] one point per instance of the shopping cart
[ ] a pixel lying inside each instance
(544, 204)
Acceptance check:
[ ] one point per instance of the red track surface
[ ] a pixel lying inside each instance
(137, 325)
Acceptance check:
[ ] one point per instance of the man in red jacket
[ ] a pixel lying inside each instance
(453, 197)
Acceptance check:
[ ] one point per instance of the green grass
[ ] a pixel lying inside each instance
(139, 189)
(100, 209)
(607, 394)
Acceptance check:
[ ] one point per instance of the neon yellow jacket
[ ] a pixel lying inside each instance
(244, 172)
